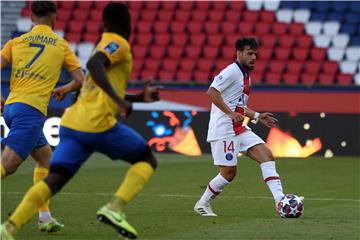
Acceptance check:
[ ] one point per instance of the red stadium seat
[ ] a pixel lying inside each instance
(294, 66)
(136, 5)
(175, 52)
(260, 66)
(148, 74)
(282, 53)
(219, 5)
(148, 16)
(170, 64)
(211, 27)
(269, 40)
(182, 15)
(256, 78)
(144, 27)
(297, 29)
(201, 77)
(308, 78)
(134, 76)
(76, 27)
(267, 16)
(80, 15)
(277, 66)
(168, 76)
(272, 78)
(304, 41)
(100, 5)
(144, 39)
(157, 52)
(344, 79)
(215, 40)
(69, 5)
(177, 27)
(246, 28)
(84, 5)
(216, 16)
(63, 15)
(205, 65)
(231, 39)
(140, 52)
(152, 5)
(60, 25)
(312, 67)
(195, 27)
(318, 53)
(232, 16)
(162, 39)
(228, 53)
(279, 28)
(193, 52)
(183, 76)
(91, 37)
(220, 64)
(202, 5)
(179, 39)
(250, 16)
(165, 16)
(197, 39)
(25, 12)
(286, 41)
(198, 16)
(300, 53)
(228, 27)
(92, 26)
(137, 65)
(73, 37)
(326, 79)
(152, 64)
(96, 14)
(262, 28)
(161, 27)
(265, 53)
(186, 5)
(210, 52)
(291, 78)
(237, 5)
(330, 67)
(169, 5)
(187, 65)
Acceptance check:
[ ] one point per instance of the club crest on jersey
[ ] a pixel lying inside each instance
(112, 47)
(229, 156)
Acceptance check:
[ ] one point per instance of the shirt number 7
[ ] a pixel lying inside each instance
(41, 49)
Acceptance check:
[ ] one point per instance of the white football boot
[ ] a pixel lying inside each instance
(204, 210)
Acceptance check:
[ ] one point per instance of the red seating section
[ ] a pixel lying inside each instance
(185, 41)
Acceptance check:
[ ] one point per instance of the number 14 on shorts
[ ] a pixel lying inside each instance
(228, 146)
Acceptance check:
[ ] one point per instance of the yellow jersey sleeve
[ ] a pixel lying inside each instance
(6, 51)
(71, 63)
(115, 49)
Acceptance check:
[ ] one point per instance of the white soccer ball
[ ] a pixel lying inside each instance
(290, 206)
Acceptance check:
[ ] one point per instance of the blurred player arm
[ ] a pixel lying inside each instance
(265, 118)
(6, 53)
(149, 94)
(4, 62)
(216, 98)
(78, 78)
(97, 67)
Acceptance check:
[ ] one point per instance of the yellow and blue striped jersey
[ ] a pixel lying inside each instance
(95, 111)
(37, 58)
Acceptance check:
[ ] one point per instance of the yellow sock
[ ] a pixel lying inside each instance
(40, 174)
(3, 171)
(134, 181)
(33, 199)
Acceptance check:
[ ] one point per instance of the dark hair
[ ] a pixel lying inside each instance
(43, 8)
(242, 42)
(116, 18)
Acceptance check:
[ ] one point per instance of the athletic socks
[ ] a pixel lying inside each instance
(3, 171)
(272, 179)
(213, 189)
(40, 174)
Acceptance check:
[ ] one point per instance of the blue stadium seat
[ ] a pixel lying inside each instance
(339, 6)
(336, 16)
(358, 30)
(318, 16)
(348, 28)
(322, 6)
(16, 34)
(306, 4)
(355, 41)
(352, 18)
(355, 6)
(289, 4)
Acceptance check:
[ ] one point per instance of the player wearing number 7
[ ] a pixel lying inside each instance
(228, 136)
(37, 58)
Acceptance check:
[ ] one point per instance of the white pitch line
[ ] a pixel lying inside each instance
(190, 196)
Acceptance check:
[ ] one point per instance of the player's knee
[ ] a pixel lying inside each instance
(146, 156)
(229, 173)
(57, 178)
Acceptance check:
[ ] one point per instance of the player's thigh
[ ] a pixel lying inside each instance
(121, 142)
(248, 140)
(41, 155)
(71, 152)
(26, 124)
(224, 151)
(260, 153)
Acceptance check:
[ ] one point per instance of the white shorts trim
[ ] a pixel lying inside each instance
(225, 151)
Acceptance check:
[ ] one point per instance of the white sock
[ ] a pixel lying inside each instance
(272, 179)
(213, 189)
(44, 215)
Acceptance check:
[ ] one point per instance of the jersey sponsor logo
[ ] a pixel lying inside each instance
(112, 47)
(229, 156)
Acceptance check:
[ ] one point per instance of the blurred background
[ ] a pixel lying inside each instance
(307, 73)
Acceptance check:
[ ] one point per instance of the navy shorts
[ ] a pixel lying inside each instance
(75, 147)
(26, 128)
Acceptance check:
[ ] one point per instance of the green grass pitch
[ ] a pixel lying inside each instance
(164, 210)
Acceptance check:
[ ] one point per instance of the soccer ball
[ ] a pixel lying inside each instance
(290, 206)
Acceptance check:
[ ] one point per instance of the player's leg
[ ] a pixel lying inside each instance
(259, 152)
(224, 153)
(9, 162)
(68, 157)
(135, 151)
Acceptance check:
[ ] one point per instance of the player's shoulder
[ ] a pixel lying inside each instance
(231, 70)
(112, 42)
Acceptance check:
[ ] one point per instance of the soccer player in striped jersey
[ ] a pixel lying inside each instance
(37, 58)
(228, 135)
(90, 125)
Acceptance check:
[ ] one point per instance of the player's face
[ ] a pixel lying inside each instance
(247, 58)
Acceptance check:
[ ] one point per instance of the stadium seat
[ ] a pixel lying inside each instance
(265, 53)
(228, 27)
(246, 28)
(340, 41)
(220, 5)
(134, 76)
(80, 15)
(148, 74)
(331, 28)
(256, 78)
(262, 28)
(215, 40)
(168, 76)
(148, 16)
(84, 5)
(91, 37)
(179, 39)
(197, 39)
(318, 53)
(144, 39)
(69, 5)
(312, 67)
(157, 52)
(322, 41)
(297, 29)
(169, 6)
(162, 39)
(175, 52)
(170, 64)
(144, 27)
(195, 27)
(250, 16)
(186, 5)
(277, 66)
(286, 41)
(96, 14)
(271, 5)
(182, 16)
(100, 5)
(25, 12)
(23, 24)
(198, 16)
(330, 67)
(305, 41)
(228, 53)
(260, 66)
(92, 26)
(313, 28)
(205, 65)
(152, 64)
(193, 52)
(301, 15)
(348, 28)
(210, 52)
(282, 53)
(267, 16)
(202, 5)
(326, 79)
(232, 16)
(279, 28)
(284, 15)
(137, 65)
(165, 16)
(201, 77)
(237, 5)
(177, 27)
(183, 76)
(187, 65)
(63, 15)
(336, 54)
(300, 53)
(215, 16)
(291, 78)
(268, 40)
(211, 27)
(272, 78)
(294, 66)
(352, 53)
(85, 49)
(344, 79)
(221, 63)
(308, 78)
(73, 37)
(254, 5)
(348, 67)
(152, 6)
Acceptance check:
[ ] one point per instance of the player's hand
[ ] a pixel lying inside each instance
(268, 119)
(125, 108)
(59, 93)
(236, 117)
(151, 94)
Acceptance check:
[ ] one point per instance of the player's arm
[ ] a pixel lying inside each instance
(6, 53)
(4, 62)
(97, 68)
(149, 94)
(78, 78)
(265, 118)
(216, 98)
